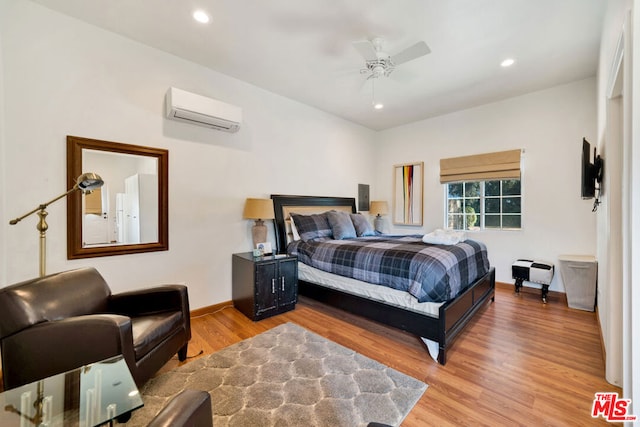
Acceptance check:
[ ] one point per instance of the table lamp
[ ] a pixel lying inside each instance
(378, 208)
(258, 209)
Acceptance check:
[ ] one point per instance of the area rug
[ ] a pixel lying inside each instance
(288, 376)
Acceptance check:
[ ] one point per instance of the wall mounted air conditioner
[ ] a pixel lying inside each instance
(199, 110)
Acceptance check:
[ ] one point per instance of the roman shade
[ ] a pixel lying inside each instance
(481, 167)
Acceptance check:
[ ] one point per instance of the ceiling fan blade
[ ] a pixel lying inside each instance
(366, 49)
(412, 52)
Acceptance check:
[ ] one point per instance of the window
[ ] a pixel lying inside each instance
(476, 205)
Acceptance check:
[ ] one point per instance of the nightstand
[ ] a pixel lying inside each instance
(264, 286)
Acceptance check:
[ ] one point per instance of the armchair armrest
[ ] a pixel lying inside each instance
(151, 300)
(187, 408)
(54, 347)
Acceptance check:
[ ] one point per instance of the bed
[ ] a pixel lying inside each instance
(437, 323)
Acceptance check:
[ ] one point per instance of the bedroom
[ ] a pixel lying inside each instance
(77, 79)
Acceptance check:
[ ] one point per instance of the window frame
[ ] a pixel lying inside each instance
(482, 202)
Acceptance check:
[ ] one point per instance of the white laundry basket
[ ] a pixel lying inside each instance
(580, 275)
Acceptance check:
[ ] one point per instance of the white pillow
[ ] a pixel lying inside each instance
(294, 231)
(445, 237)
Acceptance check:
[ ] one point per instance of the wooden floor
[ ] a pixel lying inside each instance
(520, 362)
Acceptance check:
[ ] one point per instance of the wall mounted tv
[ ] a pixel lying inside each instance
(591, 172)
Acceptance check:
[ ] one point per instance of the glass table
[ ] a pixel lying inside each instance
(91, 395)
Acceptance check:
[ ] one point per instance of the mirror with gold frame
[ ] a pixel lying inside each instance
(130, 213)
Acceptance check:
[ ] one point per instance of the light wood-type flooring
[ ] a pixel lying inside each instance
(520, 362)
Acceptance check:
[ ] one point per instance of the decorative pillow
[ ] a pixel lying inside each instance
(341, 225)
(312, 227)
(362, 225)
(294, 231)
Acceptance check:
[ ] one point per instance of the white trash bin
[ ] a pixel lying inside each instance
(580, 275)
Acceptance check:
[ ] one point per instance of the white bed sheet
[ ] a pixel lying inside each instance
(375, 292)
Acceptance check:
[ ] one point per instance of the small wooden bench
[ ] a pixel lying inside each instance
(533, 271)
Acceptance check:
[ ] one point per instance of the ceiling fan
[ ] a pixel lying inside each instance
(378, 63)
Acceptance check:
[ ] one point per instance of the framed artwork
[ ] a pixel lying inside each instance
(408, 186)
(264, 247)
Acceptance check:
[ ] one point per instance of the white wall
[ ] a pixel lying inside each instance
(612, 233)
(631, 331)
(549, 125)
(618, 133)
(3, 229)
(63, 77)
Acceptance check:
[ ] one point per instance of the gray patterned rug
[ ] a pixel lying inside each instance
(288, 376)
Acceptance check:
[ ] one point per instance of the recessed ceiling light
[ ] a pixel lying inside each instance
(201, 16)
(378, 105)
(508, 62)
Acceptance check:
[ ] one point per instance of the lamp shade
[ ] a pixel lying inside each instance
(89, 181)
(379, 208)
(258, 209)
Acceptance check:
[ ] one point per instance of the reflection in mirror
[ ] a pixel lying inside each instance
(129, 213)
(125, 211)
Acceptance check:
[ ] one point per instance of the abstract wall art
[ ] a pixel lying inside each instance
(408, 184)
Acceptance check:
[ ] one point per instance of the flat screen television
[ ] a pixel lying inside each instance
(591, 172)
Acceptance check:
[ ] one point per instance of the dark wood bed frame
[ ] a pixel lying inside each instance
(453, 315)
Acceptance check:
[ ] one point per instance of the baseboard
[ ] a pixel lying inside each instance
(210, 309)
(551, 296)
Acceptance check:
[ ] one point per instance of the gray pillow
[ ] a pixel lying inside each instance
(341, 225)
(312, 227)
(362, 225)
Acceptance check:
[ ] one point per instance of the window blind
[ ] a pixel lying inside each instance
(481, 167)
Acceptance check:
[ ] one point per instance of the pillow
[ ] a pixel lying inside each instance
(312, 227)
(294, 231)
(341, 225)
(445, 237)
(362, 225)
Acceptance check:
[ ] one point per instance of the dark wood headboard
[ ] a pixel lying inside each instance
(285, 204)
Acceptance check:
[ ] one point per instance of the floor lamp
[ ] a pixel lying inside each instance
(86, 183)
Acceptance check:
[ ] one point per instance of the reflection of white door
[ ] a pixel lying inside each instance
(119, 227)
(95, 226)
(131, 210)
(141, 208)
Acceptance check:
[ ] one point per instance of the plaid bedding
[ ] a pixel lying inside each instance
(435, 273)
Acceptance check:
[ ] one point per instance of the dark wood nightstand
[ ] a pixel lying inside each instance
(264, 286)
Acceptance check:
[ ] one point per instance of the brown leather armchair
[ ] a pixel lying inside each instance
(60, 322)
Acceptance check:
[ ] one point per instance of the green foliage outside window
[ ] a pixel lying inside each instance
(495, 204)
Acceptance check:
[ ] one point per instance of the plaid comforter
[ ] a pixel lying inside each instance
(434, 273)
